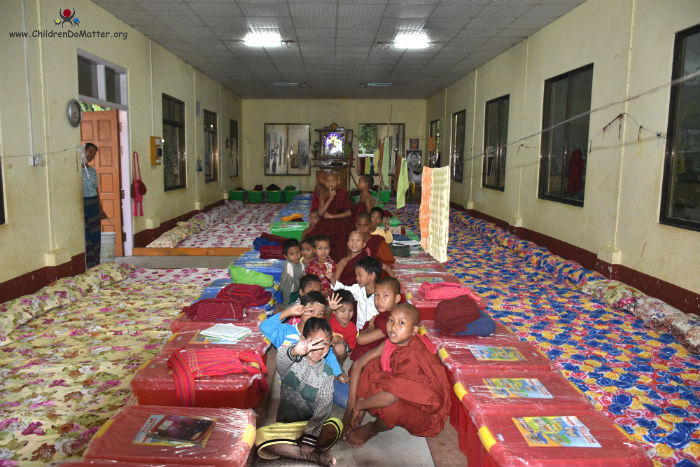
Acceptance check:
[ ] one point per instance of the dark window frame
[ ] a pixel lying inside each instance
(457, 160)
(210, 116)
(434, 156)
(671, 140)
(233, 137)
(180, 125)
(400, 127)
(545, 150)
(501, 149)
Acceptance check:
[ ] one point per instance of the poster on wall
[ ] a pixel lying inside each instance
(287, 149)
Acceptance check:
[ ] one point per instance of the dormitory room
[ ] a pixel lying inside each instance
(430, 233)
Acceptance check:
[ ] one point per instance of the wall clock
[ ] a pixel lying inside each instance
(74, 112)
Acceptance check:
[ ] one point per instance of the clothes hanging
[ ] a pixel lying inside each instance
(402, 185)
(439, 213)
(575, 172)
(386, 159)
(138, 188)
(424, 212)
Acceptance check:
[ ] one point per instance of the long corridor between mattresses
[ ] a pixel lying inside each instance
(68, 370)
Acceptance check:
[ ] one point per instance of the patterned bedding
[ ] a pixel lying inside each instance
(641, 378)
(64, 373)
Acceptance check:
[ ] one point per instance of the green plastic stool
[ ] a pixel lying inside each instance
(236, 195)
(274, 196)
(255, 196)
(384, 196)
(289, 195)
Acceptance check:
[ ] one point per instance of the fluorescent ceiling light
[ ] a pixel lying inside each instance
(376, 85)
(265, 38)
(285, 83)
(411, 40)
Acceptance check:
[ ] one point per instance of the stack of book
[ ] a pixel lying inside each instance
(225, 333)
(175, 430)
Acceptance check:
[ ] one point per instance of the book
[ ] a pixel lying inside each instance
(145, 435)
(181, 428)
(561, 431)
(226, 331)
(526, 388)
(494, 353)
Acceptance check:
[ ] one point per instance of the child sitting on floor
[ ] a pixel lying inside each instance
(376, 245)
(322, 265)
(387, 294)
(367, 271)
(345, 270)
(401, 382)
(364, 184)
(307, 251)
(313, 220)
(342, 304)
(381, 225)
(303, 430)
(311, 305)
(291, 271)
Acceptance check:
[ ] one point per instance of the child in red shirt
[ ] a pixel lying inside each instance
(322, 265)
(342, 304)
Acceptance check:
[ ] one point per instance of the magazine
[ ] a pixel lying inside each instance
(490, 352)
(555, 432)
(526, 388)
(154, 433)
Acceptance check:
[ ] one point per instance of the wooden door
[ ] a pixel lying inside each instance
(102, 129)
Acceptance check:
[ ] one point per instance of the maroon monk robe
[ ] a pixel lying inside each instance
(419, 380)
(336, 229)
(348, 275)
(380, 249)
(380, 321)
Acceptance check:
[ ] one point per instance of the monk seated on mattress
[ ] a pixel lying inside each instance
(376, 245)
(401, 382)
(303, 430)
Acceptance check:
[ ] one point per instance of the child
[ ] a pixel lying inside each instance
(342, 304)
(304, 430)
(376, 244)
(313, 220)
(364, 184)
(291, 271)
(407, 386)
(322, 265)
(307, 250)
(377, 217)
(367, 271)
(387, 294)
(313, 304)
(345, 271)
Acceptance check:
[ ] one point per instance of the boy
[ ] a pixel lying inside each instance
(367, 271)
(307, 250)
(345, 270)
(303, 430)
(407, 386)
(313, 304)
(313, 220)
(322, 265)
(376, 244)
(377, 217)
(291, 271)
(364, 184)
(342, 304)
(387, 294)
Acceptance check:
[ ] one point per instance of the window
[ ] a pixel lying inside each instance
(101, 82)
(211, 148)
(565, 147)
(371, 134)
(174, 164)
(680, 205)
(495, 140)
(459, 127)
(233, 148)
(434, 144)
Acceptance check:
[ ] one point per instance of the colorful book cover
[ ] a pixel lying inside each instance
(494, 353)
(147, 436)
(182, 428)
(566, 432)
(526, 388)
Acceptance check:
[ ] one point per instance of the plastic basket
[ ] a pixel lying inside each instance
(384, 196)
(255, 196)
(274, 196)
(289, 195)
(236, 195)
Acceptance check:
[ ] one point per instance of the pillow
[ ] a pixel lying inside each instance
(654, 312)
(61, 292)
(686, 328)
(613, 293)
(106, 274)
(15, 313)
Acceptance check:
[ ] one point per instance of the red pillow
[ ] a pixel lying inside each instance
(453, 315)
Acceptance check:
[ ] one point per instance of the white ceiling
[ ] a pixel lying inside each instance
(335, 42)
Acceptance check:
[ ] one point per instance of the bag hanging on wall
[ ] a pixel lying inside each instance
(138, 188)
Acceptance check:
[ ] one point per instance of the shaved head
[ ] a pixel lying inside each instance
(410, 311)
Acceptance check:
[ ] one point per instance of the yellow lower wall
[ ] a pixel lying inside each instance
(630, 43)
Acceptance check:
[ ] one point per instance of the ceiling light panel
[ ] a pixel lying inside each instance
(418, 40)
(263, 38)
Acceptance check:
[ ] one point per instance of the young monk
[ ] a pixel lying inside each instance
(334, 210)
(345, 269)
(376, 243)
(401, 382)
(387, 294)
(364, 184)
(313, 221)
